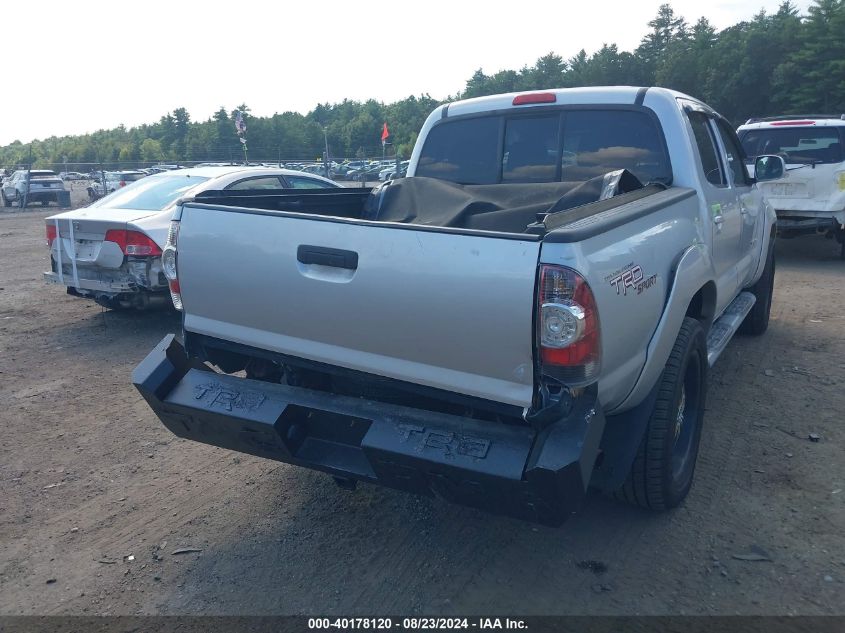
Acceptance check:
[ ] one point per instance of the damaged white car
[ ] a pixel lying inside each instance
(111, 250)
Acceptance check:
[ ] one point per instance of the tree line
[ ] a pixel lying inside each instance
(779, 63)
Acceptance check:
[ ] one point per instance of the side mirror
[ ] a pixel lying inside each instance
(768, 167)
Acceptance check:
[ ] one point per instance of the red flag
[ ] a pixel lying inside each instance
(384, 133)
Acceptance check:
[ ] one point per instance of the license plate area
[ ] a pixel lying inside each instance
(787, 190)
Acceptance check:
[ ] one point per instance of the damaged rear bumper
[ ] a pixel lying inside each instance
(537, 475)
(793, 223)
(111, 286)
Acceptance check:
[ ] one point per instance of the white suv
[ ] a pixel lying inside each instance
(37, 185)
(810, 198)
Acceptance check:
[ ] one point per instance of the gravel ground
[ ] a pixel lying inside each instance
(97, 497)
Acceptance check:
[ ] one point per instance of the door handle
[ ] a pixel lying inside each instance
(324, 256)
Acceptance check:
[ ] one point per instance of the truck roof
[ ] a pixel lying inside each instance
(599, 95)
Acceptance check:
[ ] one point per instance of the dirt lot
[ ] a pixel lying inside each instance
(90, 478)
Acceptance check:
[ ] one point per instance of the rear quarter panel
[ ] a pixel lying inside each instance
(630, 269)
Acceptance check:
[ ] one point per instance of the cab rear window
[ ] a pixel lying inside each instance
(567, 145)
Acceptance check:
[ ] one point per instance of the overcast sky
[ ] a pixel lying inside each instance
(73, 67)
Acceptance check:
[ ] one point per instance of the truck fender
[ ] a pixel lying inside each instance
(767, 243)
(624, 431)
(692, 275)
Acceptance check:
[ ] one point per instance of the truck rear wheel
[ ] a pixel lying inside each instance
(757, 320)
(661, 474)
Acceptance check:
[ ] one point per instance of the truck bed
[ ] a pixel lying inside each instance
(309, 276)
(500, 208)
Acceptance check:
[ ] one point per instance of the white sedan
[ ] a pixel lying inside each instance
(110, 251)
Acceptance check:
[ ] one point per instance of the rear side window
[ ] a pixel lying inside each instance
(706, 148)
(298, 182)
(266, 182)
(593, 142)
(795, 144)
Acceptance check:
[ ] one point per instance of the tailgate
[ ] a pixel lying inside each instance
(438, 307)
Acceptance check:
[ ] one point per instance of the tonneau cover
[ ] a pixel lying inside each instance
(507, 208)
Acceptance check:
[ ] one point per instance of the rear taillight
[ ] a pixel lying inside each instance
(568, 327)
(133, 243)
(51, 234)
(168, 265)
(122, 183)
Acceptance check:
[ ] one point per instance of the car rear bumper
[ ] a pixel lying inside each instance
(92, 285)
(802, 222)
(536, 475)
(43, 194)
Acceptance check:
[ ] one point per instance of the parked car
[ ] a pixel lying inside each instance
(365, 174)
(810, 197)
(391, 172)
(503, 328)
(113, 180)
(71, 175)
(38, 185)
(317, 169)
(110, 251)
(340, 171)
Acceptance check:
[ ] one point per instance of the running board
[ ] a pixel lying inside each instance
(723, 329)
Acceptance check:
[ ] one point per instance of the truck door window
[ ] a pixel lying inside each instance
(463, 151)
(531, 148)
(707, 148)
(734, 152)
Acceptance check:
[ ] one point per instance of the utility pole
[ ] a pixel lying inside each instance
(326, 155)
(28, 176)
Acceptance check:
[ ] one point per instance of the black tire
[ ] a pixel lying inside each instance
(6, 201)
(662, 472)
(757, 320)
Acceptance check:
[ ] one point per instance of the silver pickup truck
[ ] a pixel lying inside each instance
(531, 312)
